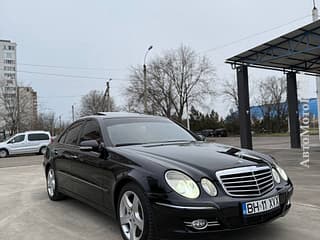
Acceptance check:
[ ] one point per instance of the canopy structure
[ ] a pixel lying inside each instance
(294, 52)
(298, 51)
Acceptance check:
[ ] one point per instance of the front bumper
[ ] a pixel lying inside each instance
(173, 220)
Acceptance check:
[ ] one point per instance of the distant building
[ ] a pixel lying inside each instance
(257, 111)
(8, 82)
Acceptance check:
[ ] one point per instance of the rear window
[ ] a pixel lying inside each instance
(38, 137)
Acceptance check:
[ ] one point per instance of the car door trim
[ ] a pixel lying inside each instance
(83, 181)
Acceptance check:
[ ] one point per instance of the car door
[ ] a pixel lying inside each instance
(66, 152)
(36, 140)
(17, 144)
(89, 166)
(27, 145)
(31, 143)
(61, 165)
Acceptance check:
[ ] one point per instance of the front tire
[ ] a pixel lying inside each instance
(43, 150)
(135, 214)
(52, 189)
(3, 153)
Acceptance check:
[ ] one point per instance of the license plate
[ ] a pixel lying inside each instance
(259, 206)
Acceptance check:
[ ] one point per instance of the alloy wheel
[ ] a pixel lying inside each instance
(51, 183)
(43, 150)
(131, 216)
(3, 153)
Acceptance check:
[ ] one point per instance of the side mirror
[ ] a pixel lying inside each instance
(201, 137)
(89, 145)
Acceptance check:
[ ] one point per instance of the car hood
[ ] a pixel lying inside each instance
(200, 156)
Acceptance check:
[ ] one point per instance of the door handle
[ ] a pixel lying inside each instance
(74, 157)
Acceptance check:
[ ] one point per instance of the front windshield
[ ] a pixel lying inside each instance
(142, 131)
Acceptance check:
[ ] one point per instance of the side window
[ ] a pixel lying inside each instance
(63, 137)
(18, 139)
(73, 134)
(38, 137)
(91, 131)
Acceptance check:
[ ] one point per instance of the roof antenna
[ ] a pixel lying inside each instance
(315, 15)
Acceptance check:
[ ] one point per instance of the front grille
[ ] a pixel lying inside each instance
(250, 181)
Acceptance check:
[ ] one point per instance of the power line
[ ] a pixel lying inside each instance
(121, 79)
(121, 69)
(253, 35)
(68, 67)
(68, 75)
(74, 96)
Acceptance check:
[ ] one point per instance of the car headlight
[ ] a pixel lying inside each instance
(276, 176)
(282, 172)
(209, 187)
(182, 184)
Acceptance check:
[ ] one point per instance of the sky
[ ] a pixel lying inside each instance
(102, 39)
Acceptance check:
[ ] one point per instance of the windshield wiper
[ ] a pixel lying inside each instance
(172, 141)
(158, 142)
(127, 144)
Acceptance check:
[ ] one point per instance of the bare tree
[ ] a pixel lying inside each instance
(160, 90)
(272, 100)
(8, 113)
(46, 121)
(14, 109)
(230, 92)
(176, 78)
(95, 101)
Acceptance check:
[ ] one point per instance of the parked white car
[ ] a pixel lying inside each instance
(27, 142)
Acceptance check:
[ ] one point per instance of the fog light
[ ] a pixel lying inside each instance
(199, 224)
(289, 202)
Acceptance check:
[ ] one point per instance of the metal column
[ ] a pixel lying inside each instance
(293, 110)
(244, 107)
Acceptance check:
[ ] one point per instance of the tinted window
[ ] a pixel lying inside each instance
(91, 131)
(63, 137)
(73, 134)
(146, 131)
(17, 139)
(38, 137)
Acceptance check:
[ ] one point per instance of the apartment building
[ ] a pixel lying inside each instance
(8, 83)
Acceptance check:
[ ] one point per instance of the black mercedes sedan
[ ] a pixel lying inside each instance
(159, 181)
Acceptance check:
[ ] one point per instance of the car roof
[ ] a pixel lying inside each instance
(120, 115)
(37, 131)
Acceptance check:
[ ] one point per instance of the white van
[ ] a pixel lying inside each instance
(27, 142)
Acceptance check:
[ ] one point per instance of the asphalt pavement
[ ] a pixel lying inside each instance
(27, 213)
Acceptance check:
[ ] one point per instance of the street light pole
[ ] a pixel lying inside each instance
(72, 113)
(18, 109)
(315, 17)
(145, 80)
(108, 95)
(188, 118)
